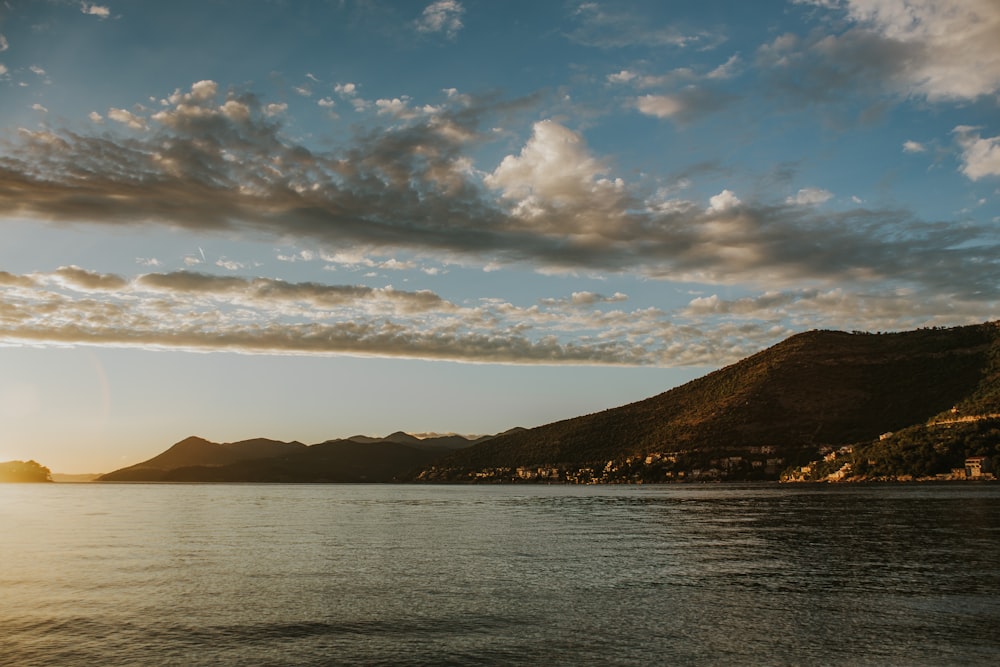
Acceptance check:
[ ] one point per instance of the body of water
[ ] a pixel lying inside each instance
(146, 574)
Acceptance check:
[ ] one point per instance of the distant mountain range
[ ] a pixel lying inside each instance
(355, 459)
(814, 394)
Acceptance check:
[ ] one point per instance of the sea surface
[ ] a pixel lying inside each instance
(239, 574)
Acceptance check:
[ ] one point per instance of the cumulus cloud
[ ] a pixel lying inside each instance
(957, 43)
(810, 197)
(275, 108)
(81, 279)
(913, 147)
(4, 45)
(938, 50)
(980, 156)
(723, 201)
(687, 105)
(128, 118)
(218, 162)
(396, 107)
(660, 106)
(553, 173)
(95, 10)
(442, 16)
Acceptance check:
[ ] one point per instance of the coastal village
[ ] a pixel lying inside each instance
(757, 463)
(668, 468)
(842, 465)
(976, 468)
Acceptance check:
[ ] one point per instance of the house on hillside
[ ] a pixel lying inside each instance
(977, 467)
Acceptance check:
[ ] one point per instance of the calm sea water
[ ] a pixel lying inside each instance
(498, 575)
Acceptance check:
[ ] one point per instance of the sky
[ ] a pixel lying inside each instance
(310, 220)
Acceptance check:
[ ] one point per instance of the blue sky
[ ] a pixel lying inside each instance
(308, 220)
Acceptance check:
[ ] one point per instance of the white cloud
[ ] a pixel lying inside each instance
(275, 108)
(82, 279)
(126, 117)
(346, 89)
(396, 107)
(660, 106)
(37, 70)
(554, 204)
(443, 16)
(555, 179)
(4, 45)
(913, 147)
(809, 197)
(202, 91)
(980, 156)
(624, 76)
(95, 10)
(39, 107)
(686, 105)
(302, 90)
(229, 264)
(3, 69)
(938, 49)
(300, 256)
(726, 70)
(95, 117)
(235, 110)
(723, 201)
(196, 311)
(326, 103)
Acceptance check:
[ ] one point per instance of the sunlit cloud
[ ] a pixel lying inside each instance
(201, 312)
(939, 51)
(980, 156)
(442, 16)
(91, 9)
(809, 197)
(218, 162)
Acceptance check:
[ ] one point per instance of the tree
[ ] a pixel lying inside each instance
(24, 471)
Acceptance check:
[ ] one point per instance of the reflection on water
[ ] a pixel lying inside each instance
(271, 574)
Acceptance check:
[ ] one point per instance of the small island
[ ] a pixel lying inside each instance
(24, 471)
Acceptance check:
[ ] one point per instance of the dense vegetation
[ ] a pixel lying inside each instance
(24, 471)
(919, 452)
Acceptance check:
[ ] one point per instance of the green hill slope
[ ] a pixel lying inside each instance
(780, 407)
(195, 451)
